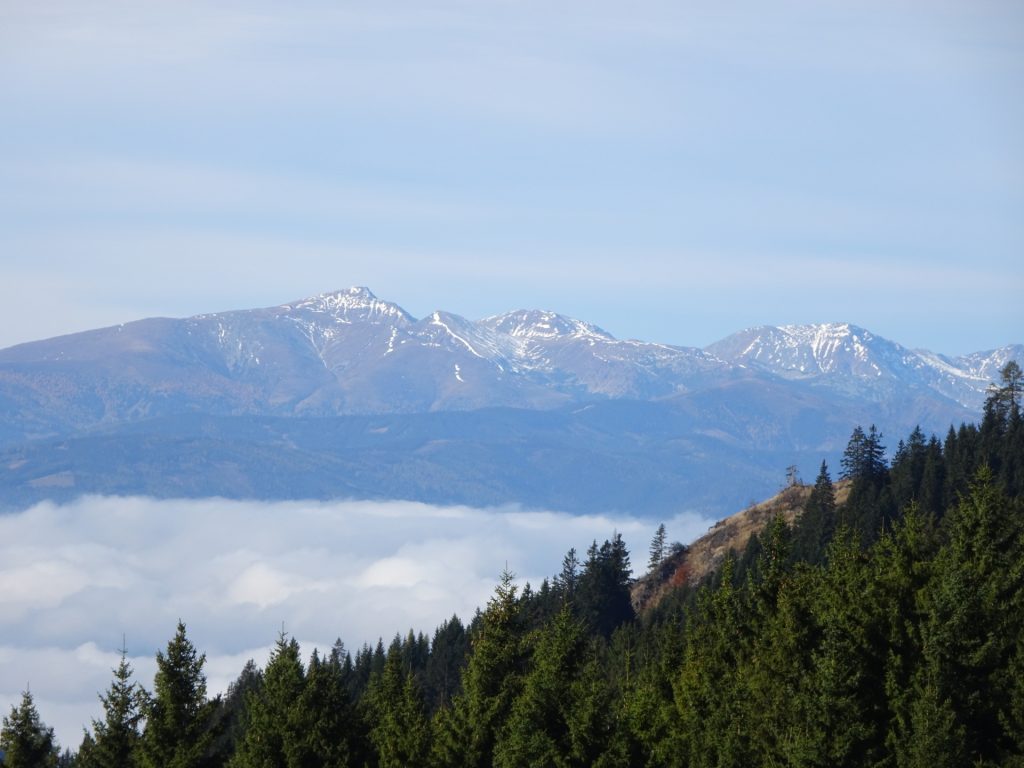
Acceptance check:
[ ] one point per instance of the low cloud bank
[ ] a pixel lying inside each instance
(75, 579)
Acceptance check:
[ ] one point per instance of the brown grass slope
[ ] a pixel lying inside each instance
(702, 557)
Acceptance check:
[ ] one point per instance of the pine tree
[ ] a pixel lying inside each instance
(869, 506)
(603, 595)
(399, 729)
(816, 524)
(466, 732)
(83, 758)
(568, 579)
(232, 716)
(907, 471)
(709, 690)
(25, 739)
(178, 731)
(117, 737)
(974, 615)
(657, 548)
(538, 728)
(447, 659)
(272, 734)
(328, 724)
(845, 689)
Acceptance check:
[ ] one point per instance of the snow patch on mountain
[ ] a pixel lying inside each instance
(849, 358)
(356, 304)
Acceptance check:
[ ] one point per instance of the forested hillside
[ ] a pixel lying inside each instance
(885, 630)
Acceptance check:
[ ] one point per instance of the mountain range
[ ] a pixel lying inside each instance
(347, 395)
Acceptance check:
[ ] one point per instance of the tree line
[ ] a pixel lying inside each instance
(887, 630)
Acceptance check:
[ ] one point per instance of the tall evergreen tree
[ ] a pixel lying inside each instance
(327, 723)
(25, 739)
(845, 690)
(117, 736)
(466, 732)
(272, 734)
(816, 524)
(869, 506)
(974, 615)
(447, 659)
(399, 729)
(179, 717)
(560, 718)
(603, 594)
(657, 548)
(232, 714)
(568, 579)
(709, 691)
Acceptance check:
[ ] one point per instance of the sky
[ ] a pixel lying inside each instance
(672, 171)
(78, 580)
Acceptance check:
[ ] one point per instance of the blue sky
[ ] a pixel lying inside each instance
(673, 171)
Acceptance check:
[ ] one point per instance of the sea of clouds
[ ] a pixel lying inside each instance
(78, 580)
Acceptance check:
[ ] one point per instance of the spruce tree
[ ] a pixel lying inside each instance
(329, 726)
(179, 717)
(603, 595)
(869, 506)
(399, 729)
(974, 614)
(816, 524)
(117, 736)
(709, 690)
(272, 736)
(445, 664)
(844, 690)
(466, 732)
(657, 548)
(568, 579)
(25, 739)
(538, 730)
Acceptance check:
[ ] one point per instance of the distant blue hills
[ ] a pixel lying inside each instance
(344, 395)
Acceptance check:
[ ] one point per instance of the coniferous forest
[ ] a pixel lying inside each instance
(886, 630)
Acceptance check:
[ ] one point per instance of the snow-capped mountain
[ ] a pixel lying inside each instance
(854, 360)
(529, 406)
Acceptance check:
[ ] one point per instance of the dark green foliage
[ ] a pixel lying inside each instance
(467, 732)
(25, 739)
(330, 727)
(561, 717)
(870, 505)
(568, 579)
(396, 714)
(179, 717)
(815, 526)
(657, 548)
(272, 734)
(443, 671)
(973, 619)
(232, 716)
(116, 737)
(602, 595)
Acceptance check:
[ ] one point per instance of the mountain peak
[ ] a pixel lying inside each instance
(813, 349)
(542, 324)
(348, 304)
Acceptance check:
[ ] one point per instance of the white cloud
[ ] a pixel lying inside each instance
(78, 580)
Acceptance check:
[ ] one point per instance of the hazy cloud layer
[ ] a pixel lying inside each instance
(74, 579)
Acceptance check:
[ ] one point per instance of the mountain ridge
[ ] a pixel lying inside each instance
(760, 398)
